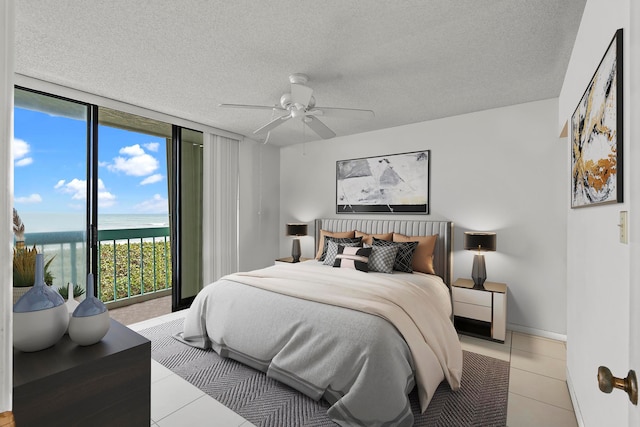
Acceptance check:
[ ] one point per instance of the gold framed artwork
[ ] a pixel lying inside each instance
(596, 134)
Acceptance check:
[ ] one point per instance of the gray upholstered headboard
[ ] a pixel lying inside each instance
(442, 256)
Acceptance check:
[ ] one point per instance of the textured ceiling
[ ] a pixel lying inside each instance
(409, 61)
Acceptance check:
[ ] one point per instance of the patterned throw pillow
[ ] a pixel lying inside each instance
(404, 255)
(382, 258)
(340, 240)
(322, 244)
(332, 250)
(423, 256)
(356, 258)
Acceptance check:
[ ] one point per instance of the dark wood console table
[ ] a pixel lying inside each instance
(105, 384)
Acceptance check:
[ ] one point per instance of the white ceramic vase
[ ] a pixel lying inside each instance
(40, 317)
(89, 322)
(71, 303)
(37, 330)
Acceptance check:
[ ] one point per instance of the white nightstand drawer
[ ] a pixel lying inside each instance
(472, 296)
(472, 311)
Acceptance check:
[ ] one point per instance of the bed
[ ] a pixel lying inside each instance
(360, 340)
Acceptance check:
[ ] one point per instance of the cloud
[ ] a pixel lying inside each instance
(77, 188)
(136, 162)
(20, 149)
(106, 199)
(152, 179)
(152, 146)
(132, 150)
(24, 162)
(157, 204)
(33, 198)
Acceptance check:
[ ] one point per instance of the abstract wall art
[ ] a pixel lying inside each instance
(596, 134)
(394, 184)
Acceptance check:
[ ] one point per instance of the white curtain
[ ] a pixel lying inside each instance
(7, 38)
(220, 207)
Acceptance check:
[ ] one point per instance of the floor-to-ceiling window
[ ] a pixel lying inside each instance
(50, 182)
(93, 187)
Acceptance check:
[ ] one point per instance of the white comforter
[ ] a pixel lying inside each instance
(417, 305)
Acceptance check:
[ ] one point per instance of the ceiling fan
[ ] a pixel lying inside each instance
(300, 104)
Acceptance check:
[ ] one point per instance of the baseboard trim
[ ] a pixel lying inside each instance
(537, 332)
(574, 400)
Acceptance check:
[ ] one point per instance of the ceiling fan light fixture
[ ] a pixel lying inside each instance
(285, 100)
(300, 103)
(312, 103)
(297, 112)
(298, 79)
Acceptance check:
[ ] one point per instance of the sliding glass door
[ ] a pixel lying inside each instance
(112, 193)
(50, 151)
(187, 212)
(132, 208)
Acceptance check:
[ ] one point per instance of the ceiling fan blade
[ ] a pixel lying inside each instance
(318, 127)
(301, 94)
(347, 113)
(255, 107)
(272, 124)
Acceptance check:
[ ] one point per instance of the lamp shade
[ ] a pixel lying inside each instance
(479, 241)
(296, 229)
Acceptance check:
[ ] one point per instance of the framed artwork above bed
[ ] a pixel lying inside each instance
(394, 184)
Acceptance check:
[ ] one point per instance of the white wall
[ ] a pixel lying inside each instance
(502, 170)
(7, 21)
(259, 205)
(597, 263)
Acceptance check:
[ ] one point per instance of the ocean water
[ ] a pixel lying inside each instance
(36, 222)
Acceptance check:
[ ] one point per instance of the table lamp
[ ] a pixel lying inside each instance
(296, 229)
(482, 242)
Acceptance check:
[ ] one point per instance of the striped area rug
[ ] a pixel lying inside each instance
(481, 401)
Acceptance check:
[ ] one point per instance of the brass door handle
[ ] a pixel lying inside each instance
(607, 382)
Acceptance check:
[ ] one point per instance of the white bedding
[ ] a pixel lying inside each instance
(264, 330)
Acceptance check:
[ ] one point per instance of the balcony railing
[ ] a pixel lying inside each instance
(135, 264)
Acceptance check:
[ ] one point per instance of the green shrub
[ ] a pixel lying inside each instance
(134, 268)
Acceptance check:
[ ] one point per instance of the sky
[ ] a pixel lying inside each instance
(50, 167)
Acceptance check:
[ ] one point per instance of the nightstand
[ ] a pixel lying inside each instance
(289, 260)
(481, 312)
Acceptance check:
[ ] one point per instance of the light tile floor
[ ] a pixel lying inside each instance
(538, 393)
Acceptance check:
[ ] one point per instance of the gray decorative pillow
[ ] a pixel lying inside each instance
(341, 240)
(332, 250)
(404, 255)
(382, 258)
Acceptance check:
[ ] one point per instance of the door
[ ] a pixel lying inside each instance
(132, 207)
(186, 215)
(613, 402)
(634, 219)
(52, 138)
